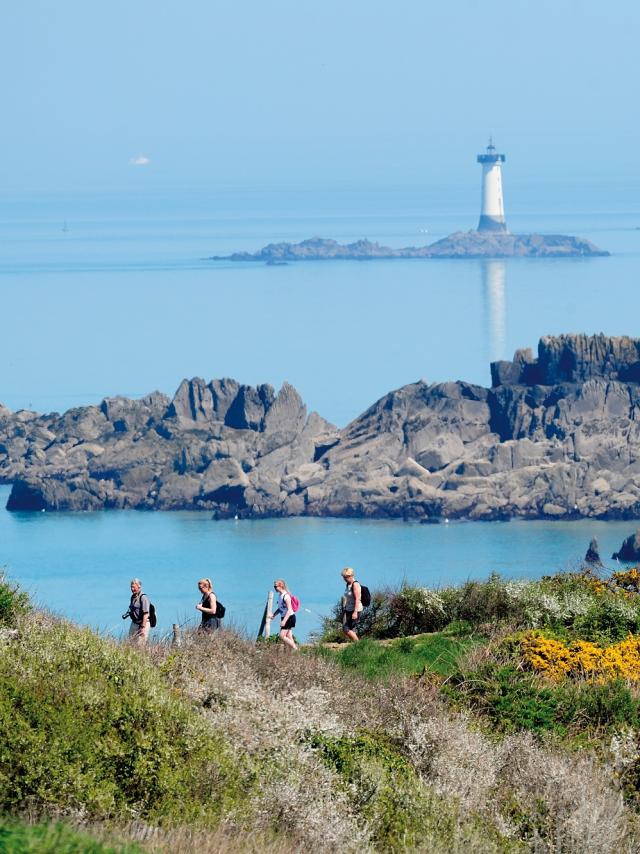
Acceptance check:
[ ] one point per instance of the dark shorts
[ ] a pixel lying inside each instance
(289, 624)
(210, 624)
(348, 622)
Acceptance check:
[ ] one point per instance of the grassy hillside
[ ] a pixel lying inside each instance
(225, 745)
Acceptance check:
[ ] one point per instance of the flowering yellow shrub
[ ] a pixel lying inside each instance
(581, 658)
(596, 585)
(546, 655)
(627, 578)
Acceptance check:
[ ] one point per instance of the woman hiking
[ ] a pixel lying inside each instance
(208, 606)
(351, 603)
(287, 617)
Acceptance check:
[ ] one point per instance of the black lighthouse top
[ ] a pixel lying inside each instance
(491, 156)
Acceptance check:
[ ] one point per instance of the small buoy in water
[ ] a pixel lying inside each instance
(43, 510)
(236, 517)
(446, 521)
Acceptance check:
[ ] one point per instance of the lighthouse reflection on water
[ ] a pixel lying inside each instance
(494, 297)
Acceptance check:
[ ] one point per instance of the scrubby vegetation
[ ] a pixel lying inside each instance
(578, 604)
(448, 741)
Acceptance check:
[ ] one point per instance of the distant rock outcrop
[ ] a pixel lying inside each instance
(593, 553)
(556, 436)
(462, 244)
(630, 549)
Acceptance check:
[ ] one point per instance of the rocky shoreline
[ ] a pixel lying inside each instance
(556, 436)
(461, 244)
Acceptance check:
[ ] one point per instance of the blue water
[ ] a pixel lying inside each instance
(121, 300)
(79, 565)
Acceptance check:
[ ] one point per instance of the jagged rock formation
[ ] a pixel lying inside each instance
(220, 446)
(593, 553)
(462, 244)
(556, 436)
(630, 549)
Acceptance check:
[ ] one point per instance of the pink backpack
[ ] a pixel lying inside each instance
(295, 603)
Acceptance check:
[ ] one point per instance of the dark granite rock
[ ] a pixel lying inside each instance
(630, 549)
(572, 359)
(557, 436)
(593, 553)
(462, 244)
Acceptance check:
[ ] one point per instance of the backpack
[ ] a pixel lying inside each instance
(295, 603)
(152, 615)
(365, 595)
(220, 609)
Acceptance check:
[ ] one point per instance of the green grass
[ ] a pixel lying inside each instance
(55, 838)
(439, 653)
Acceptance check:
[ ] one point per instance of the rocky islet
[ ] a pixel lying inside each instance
(461, 244)
(555, 436)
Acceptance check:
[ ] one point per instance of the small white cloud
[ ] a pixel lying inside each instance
(140, 160)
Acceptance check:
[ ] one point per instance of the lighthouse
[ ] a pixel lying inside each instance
(492, 210)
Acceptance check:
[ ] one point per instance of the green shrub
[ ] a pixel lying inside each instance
(510, 699)
(513, 699)
(86, 724)
(608, 620)
(402, 813)
(415, 610)
(483, 602)
(13, 602)
(54, 838)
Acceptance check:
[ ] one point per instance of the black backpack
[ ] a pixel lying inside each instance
(152, 615)
(365, 595)
(220, 609)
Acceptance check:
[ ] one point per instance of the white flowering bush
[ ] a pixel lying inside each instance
(416, 609)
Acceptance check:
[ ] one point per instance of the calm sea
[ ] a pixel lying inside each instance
(79, 565)
(111, 294)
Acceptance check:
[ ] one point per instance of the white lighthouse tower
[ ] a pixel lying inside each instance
(492, 210)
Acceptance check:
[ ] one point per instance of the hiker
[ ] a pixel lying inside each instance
(139, 612)
(287, 617)
(208, 606)
(351, 603)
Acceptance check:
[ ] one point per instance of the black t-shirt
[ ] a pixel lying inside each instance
(206, 603)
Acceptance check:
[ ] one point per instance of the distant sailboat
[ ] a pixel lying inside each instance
(65, 227)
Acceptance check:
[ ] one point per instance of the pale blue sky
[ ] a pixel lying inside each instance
(280, 120)
(248, 94)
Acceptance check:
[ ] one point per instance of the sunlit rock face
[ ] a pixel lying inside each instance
(557, 436)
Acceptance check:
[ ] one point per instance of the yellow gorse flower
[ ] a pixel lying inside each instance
(581, 658)
(627, 578)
